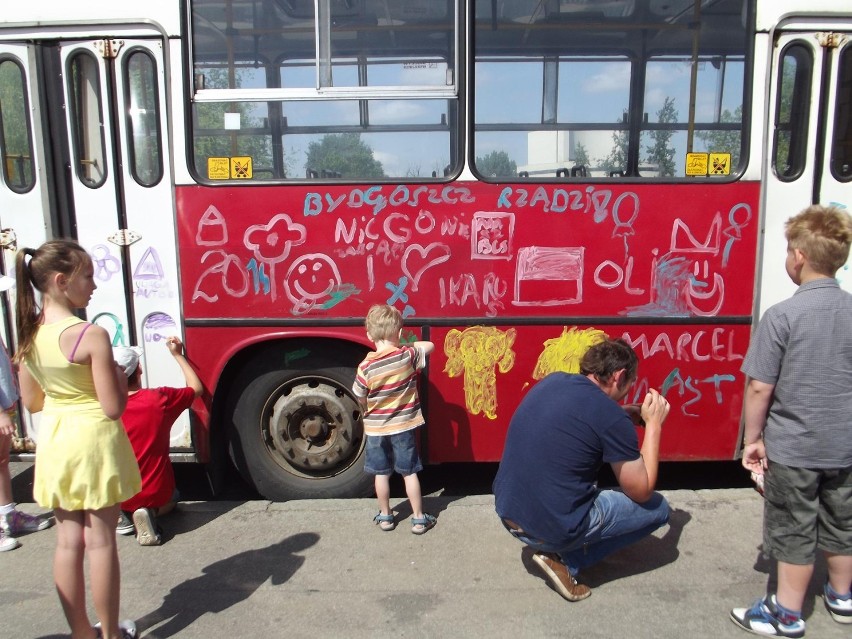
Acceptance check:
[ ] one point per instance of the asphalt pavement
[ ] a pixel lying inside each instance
(253, 568)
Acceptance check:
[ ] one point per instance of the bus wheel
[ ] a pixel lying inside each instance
(298, 435)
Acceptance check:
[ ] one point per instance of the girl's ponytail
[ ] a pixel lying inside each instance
(27, 314)
(33, 269)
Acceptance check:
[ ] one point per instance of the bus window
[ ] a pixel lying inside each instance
(143, 118)
(603, 89)
(717, 118)
(555, 127)
(366, 91)
(228, 130)
(841, 147)
(87, 119)
(791, 112)
(16, 144)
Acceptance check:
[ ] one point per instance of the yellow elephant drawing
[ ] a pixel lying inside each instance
(563, 353)
(475, 352)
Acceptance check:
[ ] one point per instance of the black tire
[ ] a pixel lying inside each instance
(297, 433)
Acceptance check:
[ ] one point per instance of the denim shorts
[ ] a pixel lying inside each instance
(806, 509)
(388, 453)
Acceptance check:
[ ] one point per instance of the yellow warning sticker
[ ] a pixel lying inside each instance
(241, 168)
(696, 164)
(720, 164)
(218, 168)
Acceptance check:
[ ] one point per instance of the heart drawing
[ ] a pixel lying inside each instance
(417, 259)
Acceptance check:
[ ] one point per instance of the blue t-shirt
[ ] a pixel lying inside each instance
(565, 429)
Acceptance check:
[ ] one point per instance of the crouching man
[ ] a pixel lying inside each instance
(564, 430)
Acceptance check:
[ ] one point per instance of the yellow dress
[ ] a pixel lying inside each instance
(84, 460)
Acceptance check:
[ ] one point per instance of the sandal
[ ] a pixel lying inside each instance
(385, 522)
(420, 525)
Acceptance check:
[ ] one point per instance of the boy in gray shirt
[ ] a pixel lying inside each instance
(798, 426)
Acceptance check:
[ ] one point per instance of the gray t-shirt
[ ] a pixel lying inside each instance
(803, 346)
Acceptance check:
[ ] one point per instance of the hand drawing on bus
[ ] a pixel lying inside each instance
(474, 353)
(223, 271)
(149, 266)
(563, 353)
(675, 379)
(624, 228)
(620, 275)
(113, 326)
(486, 292)
(397, 291)
(548, 276)
(491, 236)
(417, 259)
(311, 279)
(158, 327)
(106, 264)
(697, 290)
(681, 281)
(149, 279)
(212, 228)
(271, 243)
(734, 230)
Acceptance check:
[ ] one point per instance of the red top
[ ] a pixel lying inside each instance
(148, 420)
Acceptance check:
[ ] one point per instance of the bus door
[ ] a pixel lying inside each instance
(810, 138)
(23, 198)
(123, 195)
(107, 181)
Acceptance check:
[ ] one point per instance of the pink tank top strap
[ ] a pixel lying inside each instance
(79, 337)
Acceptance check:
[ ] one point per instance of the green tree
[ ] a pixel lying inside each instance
(725, 140)
(617, 158)
(660, 154)
(497, 164)
(344, 154)
(581, 155)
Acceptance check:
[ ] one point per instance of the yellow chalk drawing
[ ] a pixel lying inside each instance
(475, 352)
(564, 353)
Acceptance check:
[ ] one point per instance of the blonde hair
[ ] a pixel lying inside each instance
(383, 322)
(823, 234)
(56, 256)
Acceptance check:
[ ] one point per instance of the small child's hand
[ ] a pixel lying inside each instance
(174, 345)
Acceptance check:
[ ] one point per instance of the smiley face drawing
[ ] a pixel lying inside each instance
(310, 279)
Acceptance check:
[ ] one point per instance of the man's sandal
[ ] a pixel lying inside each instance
(385, 522)
(420, 525)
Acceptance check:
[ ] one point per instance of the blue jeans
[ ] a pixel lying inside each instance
(387, 453)
(615, 521)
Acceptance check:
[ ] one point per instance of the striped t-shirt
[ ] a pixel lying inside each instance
(388, 381)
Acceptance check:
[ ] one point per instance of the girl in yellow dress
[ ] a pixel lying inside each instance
(85, 466)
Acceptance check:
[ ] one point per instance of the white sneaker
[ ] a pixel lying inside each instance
(7, 542)
(127, 627)
(839, 609)
(146, 527)
(18, 522)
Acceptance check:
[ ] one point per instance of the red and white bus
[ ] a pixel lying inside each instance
(516, 176)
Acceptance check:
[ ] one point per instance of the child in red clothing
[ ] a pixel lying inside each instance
(148, 420)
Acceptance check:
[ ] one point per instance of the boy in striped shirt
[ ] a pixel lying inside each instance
(386, 387)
